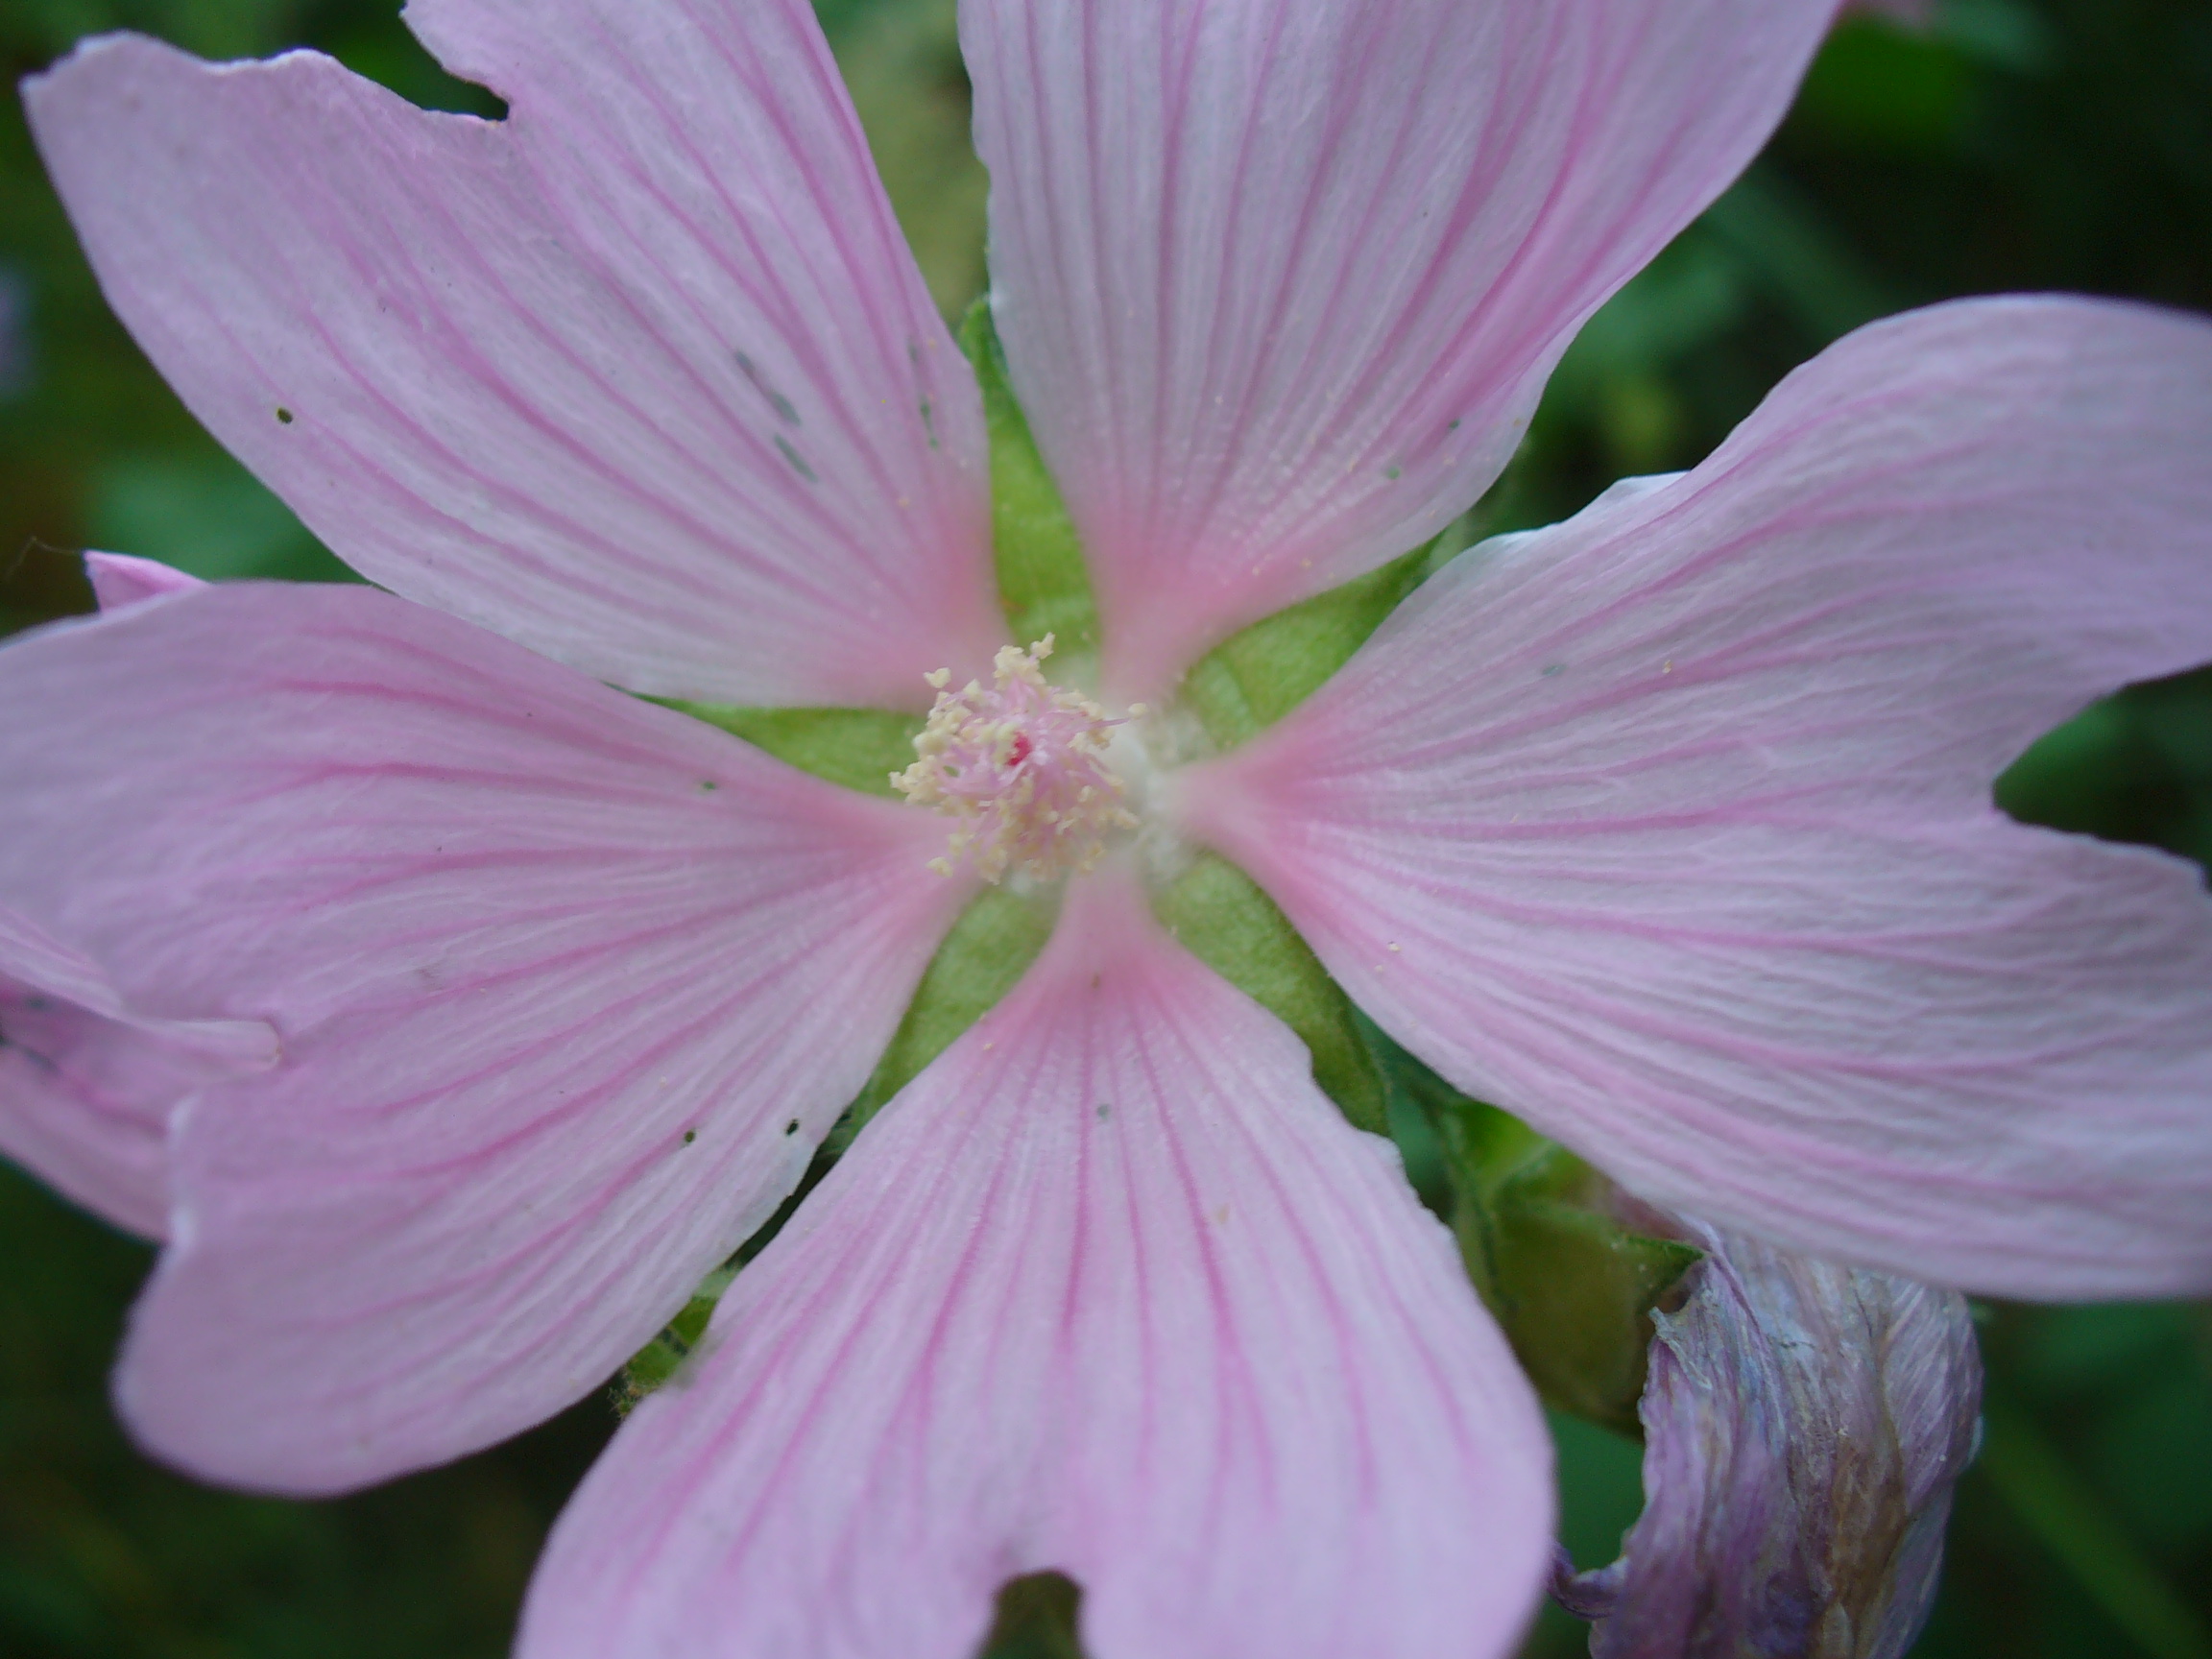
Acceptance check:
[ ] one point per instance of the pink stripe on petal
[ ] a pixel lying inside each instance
(119, 580)
(1670, 828)
(1281, 281)
(1111, 1289)
(568, 986)
(642, 376)
(86, 1086)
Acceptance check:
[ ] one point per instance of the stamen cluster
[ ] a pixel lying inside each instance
(1023, 765)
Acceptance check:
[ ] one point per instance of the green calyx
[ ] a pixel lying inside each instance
(989, 947)
(855, 747)
(657, 1364)
(1221, 917)
(1253, 678)
(1573, 1285)
(1043, 586)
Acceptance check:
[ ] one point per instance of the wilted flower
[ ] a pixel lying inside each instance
(1803, 1426)
(1666, 829)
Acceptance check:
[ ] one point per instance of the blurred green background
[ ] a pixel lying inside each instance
(2021, 144)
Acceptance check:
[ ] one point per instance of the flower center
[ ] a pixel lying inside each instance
(1022, 765)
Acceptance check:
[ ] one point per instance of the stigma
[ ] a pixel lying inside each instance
(1021, 766)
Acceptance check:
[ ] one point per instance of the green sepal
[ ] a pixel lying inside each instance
(1224, 920)
(1043, 587)
(858, 748)
(988, 949)
(655, 1363)
(1255, 677)
(1573, 1286)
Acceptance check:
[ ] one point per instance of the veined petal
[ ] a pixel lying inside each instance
(86, 1086)
(1803, 1429)
(1110, 1289)
(119, 580)
(569, 988)
(1280, 280)
(642, 377)
(1670, 828)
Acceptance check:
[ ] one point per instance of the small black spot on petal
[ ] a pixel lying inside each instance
(283, 416)
(689, 1136)
(792, 1127)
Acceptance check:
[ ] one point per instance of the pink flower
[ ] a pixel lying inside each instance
(1667, 829)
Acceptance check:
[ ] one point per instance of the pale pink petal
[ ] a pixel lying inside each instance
(119, 580)
(1111, 1289)
(1280, 280)
(86, 1086)
(1670, 828)
(569, 987)
(642, 376)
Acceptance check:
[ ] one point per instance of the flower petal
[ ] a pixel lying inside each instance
(569, 987)
(1670, 828)
(642, 377)
(86, 1087)
(119, 580)
(1110, 1289)
(1280, 280)
(1803, 1428)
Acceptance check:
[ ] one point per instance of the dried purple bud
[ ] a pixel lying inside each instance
(1804, 1423)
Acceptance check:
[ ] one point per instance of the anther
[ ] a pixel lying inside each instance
(1022, 765)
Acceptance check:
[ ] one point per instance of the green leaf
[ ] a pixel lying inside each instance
(987, 951)
(1042, 585)
(1223, 919)
(1253, 678)
(1573, 1288)
(858, 748)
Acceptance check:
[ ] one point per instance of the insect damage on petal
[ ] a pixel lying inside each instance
(1022, 764)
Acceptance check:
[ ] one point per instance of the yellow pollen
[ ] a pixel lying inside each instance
(1021, 766)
